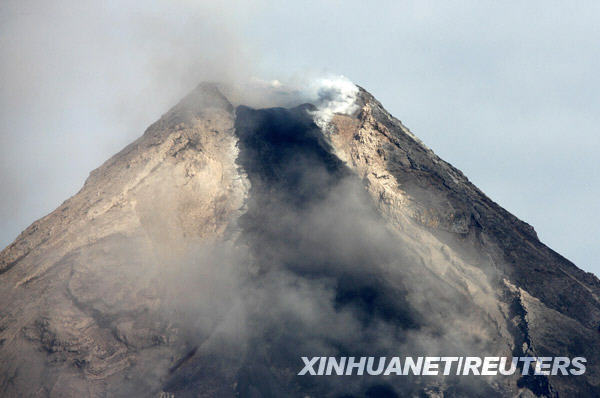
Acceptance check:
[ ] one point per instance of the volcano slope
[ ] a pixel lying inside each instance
(207, 257)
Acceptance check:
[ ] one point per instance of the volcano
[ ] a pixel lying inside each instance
(230, 240)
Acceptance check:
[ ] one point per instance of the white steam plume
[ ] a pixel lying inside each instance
(332, 95)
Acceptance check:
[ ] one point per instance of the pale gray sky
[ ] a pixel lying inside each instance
(507, 92)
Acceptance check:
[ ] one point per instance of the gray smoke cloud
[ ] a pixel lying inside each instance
(312, 270)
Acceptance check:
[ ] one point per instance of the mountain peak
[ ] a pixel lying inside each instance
(232, 238)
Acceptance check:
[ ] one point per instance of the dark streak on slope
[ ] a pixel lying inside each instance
(292, 171)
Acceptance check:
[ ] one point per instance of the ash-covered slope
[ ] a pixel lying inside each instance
(211, 254)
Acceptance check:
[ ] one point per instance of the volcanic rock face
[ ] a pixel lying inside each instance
(212, 253)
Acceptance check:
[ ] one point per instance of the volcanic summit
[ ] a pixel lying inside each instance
(232, 238)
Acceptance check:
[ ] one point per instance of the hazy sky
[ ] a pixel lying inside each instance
(507, 92)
